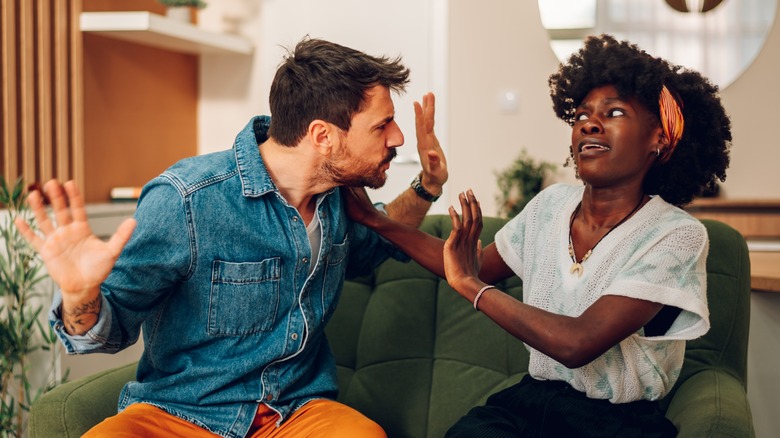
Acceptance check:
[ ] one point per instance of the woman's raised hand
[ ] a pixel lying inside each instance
(463, 249)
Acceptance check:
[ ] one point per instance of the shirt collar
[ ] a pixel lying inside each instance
(255, 179)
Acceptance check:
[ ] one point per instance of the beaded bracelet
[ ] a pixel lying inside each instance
(479, 294)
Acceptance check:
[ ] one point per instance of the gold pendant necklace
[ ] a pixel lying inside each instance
(576, 266)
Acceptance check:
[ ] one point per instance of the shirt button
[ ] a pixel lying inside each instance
(294, 336)
(305, 260)
(269, 397)
(295, 218)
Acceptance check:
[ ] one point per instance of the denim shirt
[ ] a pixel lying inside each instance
(217, 275)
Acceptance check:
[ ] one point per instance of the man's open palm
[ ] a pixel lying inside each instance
(75, 258)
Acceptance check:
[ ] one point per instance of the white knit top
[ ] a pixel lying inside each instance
(659, 255)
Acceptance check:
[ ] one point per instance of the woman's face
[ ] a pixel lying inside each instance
(614, 139)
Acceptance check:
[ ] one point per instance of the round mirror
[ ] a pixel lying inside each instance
(718, 38)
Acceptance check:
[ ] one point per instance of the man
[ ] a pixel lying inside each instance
(237, 258)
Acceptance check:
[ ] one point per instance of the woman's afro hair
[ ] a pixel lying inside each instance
(701, 156)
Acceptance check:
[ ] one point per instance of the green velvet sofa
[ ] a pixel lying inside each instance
(414, 356)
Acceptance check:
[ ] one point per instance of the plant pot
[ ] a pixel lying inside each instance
(179, 13)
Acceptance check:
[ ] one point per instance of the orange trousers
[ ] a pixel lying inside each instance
(316, 419)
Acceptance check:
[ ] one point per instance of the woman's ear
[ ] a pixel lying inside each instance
(661, 141)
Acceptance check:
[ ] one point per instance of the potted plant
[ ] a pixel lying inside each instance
(181, 9)
(25, 341)
(520, 182)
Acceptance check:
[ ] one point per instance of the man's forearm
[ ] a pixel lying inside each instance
(409, 207)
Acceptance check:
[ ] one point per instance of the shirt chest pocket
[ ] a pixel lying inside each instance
(244, 297)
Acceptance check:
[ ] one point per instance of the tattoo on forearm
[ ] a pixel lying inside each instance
(80, 319)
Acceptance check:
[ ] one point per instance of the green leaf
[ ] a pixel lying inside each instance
(4, 195)
(16, 198)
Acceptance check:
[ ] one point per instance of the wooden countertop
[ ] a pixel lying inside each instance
(765, 271)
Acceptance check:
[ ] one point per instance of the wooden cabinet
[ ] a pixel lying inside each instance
(757, 220)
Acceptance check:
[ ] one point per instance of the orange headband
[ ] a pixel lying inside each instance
(672, 122)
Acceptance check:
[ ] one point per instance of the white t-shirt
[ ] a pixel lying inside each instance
(315, 240)
(659, 255)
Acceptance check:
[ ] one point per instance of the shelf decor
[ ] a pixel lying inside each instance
(180, 10)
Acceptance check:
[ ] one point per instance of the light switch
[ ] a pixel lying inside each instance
(509, 102)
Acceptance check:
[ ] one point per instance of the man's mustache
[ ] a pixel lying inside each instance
(390, 156)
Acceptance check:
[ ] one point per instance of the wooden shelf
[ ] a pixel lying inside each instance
(104, 218)
(162, 32)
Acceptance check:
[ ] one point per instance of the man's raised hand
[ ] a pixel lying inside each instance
(76, 259)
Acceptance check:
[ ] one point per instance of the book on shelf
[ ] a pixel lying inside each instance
(125, 193)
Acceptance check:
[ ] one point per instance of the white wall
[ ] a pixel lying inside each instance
(496, 46)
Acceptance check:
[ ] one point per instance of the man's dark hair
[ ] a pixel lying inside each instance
(701, 156)
(327, 81)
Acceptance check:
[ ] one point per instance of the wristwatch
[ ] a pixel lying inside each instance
(420, 190)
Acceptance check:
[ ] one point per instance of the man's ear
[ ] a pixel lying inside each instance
(321, 134)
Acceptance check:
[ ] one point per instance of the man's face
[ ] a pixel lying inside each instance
(363, 155)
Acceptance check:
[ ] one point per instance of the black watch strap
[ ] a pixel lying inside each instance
(420, 190)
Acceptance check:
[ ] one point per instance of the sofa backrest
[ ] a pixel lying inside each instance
(415, 356)
(724, 347)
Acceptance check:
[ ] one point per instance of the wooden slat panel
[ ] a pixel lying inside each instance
(41, 90)
(61, 95)
(45, 143)
(8, 130)
(77, 95)
(26, 82)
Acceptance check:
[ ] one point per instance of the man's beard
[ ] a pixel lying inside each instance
(351, 172)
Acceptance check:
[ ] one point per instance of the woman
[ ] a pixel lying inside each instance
(613, 270)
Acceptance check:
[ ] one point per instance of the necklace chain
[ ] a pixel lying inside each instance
(577, 265)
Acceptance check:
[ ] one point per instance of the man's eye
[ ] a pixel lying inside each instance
(580, 117)
(616, 112)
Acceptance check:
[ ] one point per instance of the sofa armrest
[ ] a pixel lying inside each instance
(73, 408)
(711, 403)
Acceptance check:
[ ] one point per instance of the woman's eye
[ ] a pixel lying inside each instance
(580, 117)
(616, 112)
